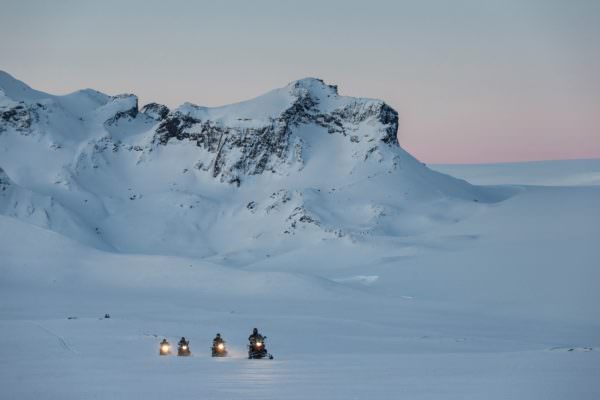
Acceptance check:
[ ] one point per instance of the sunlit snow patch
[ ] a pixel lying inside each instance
(366, 280)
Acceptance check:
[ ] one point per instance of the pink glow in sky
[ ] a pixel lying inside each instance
(502, 81)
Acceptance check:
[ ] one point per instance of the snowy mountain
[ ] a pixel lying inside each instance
(299, 161)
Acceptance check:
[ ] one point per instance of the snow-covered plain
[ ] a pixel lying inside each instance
(540, 173)
(373, 277)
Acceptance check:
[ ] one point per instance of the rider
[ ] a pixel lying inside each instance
(164, 347)
(255, 337)
(218, 340)
(183, 342)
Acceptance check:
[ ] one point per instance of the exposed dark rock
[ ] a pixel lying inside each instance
(5, 181)
(131, 112)
(251, 206)
(156, 111)
(20, 117)
(300, 216)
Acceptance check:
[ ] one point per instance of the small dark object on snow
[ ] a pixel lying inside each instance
(106, 316)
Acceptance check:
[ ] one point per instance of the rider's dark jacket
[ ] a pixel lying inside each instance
(255, 338)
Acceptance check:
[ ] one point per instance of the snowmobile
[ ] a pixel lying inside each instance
(183, 349)
(219, 349)
(165, 348)
(257, 349)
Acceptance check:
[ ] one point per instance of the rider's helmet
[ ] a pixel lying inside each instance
(218, 335)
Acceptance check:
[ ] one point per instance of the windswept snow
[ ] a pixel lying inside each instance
(372, 275)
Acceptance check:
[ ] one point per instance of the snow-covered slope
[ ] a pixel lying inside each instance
(299, 161)
(488, 307)
(41, 210)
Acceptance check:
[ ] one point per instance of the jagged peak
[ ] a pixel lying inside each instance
(314, 93)
(314, 86)
(126, 100)
(119, 106)
(155, 111)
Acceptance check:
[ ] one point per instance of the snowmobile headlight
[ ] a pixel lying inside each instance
(164, 348)
(258, 344)
(184, 347)
(220, 346)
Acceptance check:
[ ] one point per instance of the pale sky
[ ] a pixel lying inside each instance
(473, 81)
